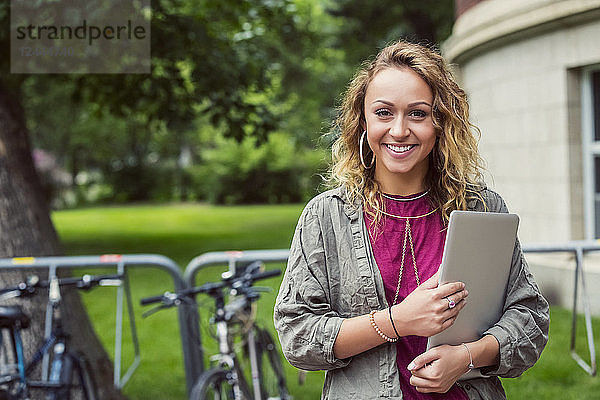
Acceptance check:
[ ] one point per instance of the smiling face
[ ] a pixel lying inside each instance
(400, 131)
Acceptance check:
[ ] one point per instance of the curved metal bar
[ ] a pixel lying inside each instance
(227, 257)
(578, 248)
(187, 313)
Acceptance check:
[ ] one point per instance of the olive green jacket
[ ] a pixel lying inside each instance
(332, 275)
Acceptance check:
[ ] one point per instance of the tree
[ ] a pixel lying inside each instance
(25, 225)
(369, 26)
(214, 59)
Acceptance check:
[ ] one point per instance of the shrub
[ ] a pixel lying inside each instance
(276, 171)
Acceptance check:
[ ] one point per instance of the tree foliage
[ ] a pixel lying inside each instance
(208, 57)
(245, 68)
(369, 26)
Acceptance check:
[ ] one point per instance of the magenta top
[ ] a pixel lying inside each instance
(428, 237)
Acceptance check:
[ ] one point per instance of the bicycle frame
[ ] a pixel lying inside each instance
(23, 369)
(59, 362)
(229, 368)
(227, 357)
(17, 351)
(251, 338)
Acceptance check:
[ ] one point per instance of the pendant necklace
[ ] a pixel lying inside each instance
(407, 238)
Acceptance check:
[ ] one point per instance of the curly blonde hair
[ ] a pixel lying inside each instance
(455, 166)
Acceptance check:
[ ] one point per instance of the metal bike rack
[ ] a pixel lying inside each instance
(578, 248)
(231, 258)
(121, 262)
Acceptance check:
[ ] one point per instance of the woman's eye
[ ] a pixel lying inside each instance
(383, 112)
(418, 114)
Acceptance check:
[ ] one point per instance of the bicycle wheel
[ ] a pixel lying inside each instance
(83, 381)
(218, 384)
(272, 376)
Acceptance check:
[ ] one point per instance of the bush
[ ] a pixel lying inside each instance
(276, 171)
(154, 182)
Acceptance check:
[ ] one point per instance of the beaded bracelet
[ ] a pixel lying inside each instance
(471, 366)
(374, 325)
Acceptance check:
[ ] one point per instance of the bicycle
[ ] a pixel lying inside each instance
(226, 379)
(66, 374)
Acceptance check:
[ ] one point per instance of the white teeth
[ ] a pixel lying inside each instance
(399, 149)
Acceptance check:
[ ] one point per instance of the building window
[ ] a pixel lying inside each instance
(591, 146)
(595, 81)
(597, 196)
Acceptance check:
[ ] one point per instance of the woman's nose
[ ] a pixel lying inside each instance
(399, 128)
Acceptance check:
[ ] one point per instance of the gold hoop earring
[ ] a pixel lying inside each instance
(360, 151)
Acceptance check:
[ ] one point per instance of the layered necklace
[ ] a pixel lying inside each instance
(407, 236)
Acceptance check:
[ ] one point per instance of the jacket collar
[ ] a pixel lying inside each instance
(351, 210)
(354, 210)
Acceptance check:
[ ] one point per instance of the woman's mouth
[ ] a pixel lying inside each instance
(400, 149)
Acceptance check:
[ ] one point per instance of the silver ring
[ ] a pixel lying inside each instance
(451, 303)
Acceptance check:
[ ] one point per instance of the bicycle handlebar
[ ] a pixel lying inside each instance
(153, 299)
(240, 283)
(266, 274)
(33, 283)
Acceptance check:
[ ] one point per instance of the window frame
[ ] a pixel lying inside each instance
(591, 149)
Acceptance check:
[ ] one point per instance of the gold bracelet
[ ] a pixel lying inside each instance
(471, 366)
(374, 325)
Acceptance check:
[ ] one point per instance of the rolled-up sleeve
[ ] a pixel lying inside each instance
(304, 319)
(522, 331)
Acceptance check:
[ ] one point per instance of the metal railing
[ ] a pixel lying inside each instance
(578, 248)
(188, 313)
(121, 263)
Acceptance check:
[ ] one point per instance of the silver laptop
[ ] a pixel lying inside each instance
(478, 252)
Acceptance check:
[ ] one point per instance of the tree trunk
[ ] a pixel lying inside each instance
(26, 230)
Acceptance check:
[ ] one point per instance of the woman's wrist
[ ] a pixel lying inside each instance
(392, 322)
(471, 365)
(384, 323)
(401, 326)
(485, 351)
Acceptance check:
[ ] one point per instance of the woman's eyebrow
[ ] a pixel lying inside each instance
(418, 103)
(384, 102)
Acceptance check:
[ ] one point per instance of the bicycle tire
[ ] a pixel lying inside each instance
(85, 375)
(271, 374)
(217, 384)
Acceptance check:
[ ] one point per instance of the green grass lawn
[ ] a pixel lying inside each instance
(556, 375)
(182, 232)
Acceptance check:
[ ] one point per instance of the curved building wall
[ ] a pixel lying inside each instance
(521, 64)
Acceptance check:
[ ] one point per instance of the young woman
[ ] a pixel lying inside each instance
(360, 294)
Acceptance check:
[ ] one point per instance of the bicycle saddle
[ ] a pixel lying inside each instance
(11, 316)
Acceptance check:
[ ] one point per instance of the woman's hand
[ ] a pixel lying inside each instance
(439, 368)
(427, 310)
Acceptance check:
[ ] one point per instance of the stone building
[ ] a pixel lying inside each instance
(531, 69)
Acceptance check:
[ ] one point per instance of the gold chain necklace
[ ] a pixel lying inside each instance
(407, 235)
(407, 217)
(391, 197)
